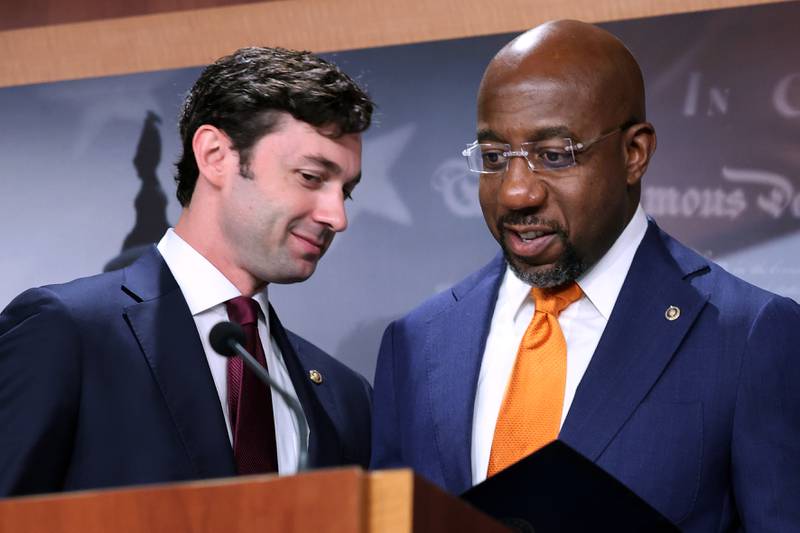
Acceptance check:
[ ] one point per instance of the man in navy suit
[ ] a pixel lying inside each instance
(110, 380)
(681, 380)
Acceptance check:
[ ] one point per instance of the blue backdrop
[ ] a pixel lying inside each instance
(86, 169)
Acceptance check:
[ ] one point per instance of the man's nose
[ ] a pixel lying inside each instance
(521, 187)
(331, 212)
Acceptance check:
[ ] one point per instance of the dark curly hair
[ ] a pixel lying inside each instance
(243, 94)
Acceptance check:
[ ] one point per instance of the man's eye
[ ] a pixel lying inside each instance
(552, 158)
(311, 177)
(348, 194)
(493, 159)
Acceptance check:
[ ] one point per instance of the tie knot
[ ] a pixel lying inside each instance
(243, 310)
(553, 301)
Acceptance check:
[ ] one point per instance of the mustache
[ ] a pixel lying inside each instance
(520, 218)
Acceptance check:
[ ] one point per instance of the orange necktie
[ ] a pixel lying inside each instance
(531, 411)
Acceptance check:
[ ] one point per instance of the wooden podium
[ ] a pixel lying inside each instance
(342, 500)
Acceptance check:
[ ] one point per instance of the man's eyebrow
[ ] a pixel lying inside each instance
(541, 134)
(552, 132)
(486, 134)
(324, 162)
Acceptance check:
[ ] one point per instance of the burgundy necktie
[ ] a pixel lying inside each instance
(250, 400)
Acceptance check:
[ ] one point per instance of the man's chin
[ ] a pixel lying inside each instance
(300, 272)
(566, 269)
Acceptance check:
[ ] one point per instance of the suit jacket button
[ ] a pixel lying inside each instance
(315, 376)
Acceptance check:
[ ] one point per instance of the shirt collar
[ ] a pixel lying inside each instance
(602, 282)
(514, 291)
(202, 285)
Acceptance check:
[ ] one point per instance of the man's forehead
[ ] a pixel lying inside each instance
(521, 85)
(563, 56)
(526, 132)
(538, 72)
(518, 99)
(537, 111)
(525, 98)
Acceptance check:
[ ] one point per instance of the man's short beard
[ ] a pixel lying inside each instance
(568, 267)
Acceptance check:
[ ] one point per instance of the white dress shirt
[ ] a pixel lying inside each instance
(206, 290)
(582, 323)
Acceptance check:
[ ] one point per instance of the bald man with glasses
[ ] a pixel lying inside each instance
(593, 326)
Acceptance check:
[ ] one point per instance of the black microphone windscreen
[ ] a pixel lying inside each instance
(221, 336)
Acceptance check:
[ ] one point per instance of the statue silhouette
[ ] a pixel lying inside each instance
(150, 203)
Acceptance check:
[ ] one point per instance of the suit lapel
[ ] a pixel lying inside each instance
(637, 344)
(324, 447)
(453, 354)
(167, 335)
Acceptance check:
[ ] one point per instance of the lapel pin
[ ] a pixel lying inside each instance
(315, 376)
(672, 313)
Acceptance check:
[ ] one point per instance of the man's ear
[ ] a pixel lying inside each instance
(640, 144)
(213, 153)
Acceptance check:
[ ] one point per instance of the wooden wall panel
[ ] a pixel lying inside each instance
(196, 37)
(31, 13)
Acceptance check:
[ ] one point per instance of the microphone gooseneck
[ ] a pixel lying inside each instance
(226, 339)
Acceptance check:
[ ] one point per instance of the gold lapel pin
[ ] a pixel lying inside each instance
(315, 376)
(672, 313)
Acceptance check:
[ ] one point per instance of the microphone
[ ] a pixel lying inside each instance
(226, 339)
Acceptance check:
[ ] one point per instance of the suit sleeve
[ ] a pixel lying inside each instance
(39, 393)
(766, 430)
(386, 437)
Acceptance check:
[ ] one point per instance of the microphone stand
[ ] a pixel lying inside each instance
(294, 405)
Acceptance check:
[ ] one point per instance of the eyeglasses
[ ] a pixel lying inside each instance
(541, 156)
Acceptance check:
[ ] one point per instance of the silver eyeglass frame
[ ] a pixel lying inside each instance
(573, 148)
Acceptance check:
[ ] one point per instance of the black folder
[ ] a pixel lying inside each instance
(558, 489)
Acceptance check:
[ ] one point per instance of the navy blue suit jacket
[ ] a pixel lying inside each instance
(700, 415)
(104, 382)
